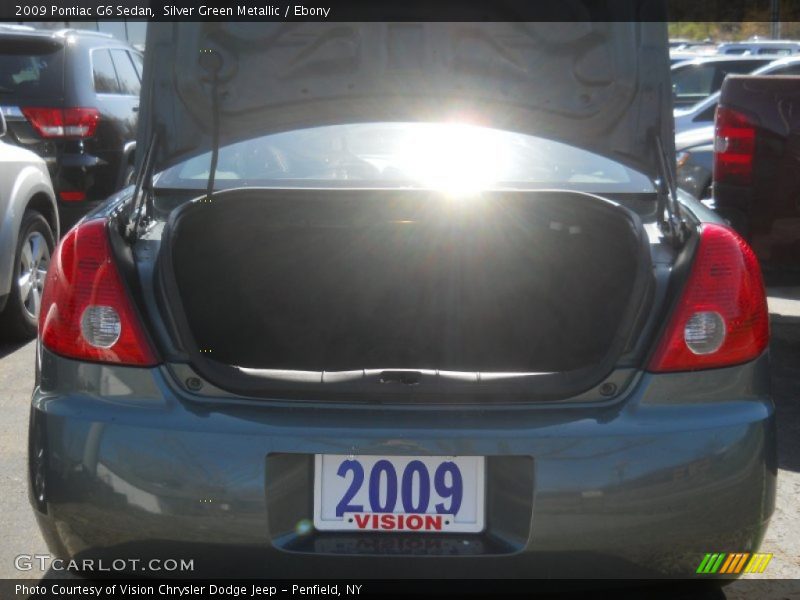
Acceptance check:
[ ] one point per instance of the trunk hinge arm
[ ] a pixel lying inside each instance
(670, 215)
(211, 62)
(142, 194)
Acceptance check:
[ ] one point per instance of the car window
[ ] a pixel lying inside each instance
(693, 82)
(429, 155)
(137, 62)
(775, 51)
(740, 67)
(793, 69)
(128, 78)
(31, 70)
(105, 76)
(707, 114)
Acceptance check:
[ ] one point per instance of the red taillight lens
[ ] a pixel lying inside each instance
(72, 195)
(86, 311)
(721, 318)
(62, 122)
(734, 147)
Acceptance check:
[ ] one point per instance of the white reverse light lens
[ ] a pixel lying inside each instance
(704, 332)
(101, 326)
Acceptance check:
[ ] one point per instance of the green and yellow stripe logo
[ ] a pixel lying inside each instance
(735, 563)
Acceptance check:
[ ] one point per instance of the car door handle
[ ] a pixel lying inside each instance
(135, 109)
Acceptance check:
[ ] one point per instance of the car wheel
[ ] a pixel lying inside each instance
(34, 248)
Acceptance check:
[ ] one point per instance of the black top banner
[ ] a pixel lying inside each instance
(394, 10)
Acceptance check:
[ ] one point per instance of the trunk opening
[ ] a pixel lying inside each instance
(301, 290)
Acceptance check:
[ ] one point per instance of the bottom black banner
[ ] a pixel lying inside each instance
(76, 587)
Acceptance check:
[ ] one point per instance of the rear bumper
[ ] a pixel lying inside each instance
(684, 465)
(74, 169)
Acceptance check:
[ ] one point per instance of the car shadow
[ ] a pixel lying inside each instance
(782, 277)
(7, 348)
(791, 292)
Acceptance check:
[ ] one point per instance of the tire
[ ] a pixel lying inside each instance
(35, 245)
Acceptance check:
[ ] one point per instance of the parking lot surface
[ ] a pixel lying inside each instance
(21, 535)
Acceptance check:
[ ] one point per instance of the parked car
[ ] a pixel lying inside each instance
(702, 113)
(72, 97)
(684, 45)
(28, 233)
(756, 183)
(696, 79)
(352, 317)
(676, 57)
(679, 43)
(760, 48)
(695, 156)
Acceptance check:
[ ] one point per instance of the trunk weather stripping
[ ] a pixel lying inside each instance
(670, 217)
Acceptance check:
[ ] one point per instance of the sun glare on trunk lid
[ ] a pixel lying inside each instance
(455, 158)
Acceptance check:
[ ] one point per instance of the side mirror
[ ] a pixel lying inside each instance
(2, 123)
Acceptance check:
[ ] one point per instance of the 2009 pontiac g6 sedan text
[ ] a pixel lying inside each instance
(413, 299)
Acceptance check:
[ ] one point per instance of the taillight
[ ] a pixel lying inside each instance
(62, 122)
(86, 310)
(734, 147)
(72, 195)
(721, 318)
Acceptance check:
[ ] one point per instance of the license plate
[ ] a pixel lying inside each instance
(431, 494)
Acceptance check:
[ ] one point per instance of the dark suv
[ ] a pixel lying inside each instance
(72, 97)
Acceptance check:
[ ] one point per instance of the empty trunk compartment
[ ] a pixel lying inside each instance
(392, 280)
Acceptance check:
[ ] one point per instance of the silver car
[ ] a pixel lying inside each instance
(28, 232)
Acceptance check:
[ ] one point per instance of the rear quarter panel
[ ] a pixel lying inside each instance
(700, 211)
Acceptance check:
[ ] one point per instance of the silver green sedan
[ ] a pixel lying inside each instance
(405, 300)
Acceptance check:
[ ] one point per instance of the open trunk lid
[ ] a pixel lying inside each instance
(395, 293)
(602, 84)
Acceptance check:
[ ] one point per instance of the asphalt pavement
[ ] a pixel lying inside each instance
(21, 535)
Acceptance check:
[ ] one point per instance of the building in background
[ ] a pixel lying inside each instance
(133, 32)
